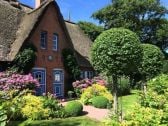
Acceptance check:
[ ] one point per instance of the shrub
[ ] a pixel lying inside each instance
(100, 102)
(12, 81)
(33, 108)
(152, 61)
(3, 117)
(153, 100)
(73, 108)
(93, 91)
(159, 84)
(143, 116)
(12, 103)
(55, 109)
(79, 86)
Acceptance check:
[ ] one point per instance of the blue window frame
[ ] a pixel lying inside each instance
(58, 81)
(55, 42)
(40, 75)
(43, 40)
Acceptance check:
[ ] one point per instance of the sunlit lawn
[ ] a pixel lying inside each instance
(128, 101)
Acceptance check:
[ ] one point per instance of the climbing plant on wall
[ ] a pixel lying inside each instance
(24, 60)
(70, 63)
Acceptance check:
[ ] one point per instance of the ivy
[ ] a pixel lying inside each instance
(70, 63)
(24, 60)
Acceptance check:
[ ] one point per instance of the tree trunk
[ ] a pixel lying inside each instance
(144, 87)
(115, 95)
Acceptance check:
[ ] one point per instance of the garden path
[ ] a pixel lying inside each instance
(94, 113)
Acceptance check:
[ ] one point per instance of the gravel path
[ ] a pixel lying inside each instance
(92, 112)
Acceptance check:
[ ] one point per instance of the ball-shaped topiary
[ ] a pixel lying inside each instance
(152, 62)
(73, 108)
(100, 102)
(116, 51)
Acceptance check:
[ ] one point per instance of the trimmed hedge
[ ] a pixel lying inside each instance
(100, 102)
(73, 108)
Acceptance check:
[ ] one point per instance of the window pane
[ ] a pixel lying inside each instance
(43, 40)
(55, 42)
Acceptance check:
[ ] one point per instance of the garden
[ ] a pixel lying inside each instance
(132, 80)
(119, 57)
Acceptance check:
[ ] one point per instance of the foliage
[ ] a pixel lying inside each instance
(52, 104)
(24, 60)
(70, 63)
(90, 29)
(100, 102)
(143, 116)
(161, 35)
(11, 102)
(79, 86)
(116, 52)
(165, 67)
(157, 96)
(159, 84)
(124, 86)
(73, 108)
(3, 117)
(17, 81)
(93, 91)
(145, 17)
(153, 100)
(33, 108)
(152, 62)
(71, 121)
(70, 94)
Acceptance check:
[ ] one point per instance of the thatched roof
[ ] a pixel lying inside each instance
(81, 43)
(16, 24)
(9, 25)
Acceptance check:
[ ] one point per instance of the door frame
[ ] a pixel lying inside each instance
(41, 68)
(62, 86)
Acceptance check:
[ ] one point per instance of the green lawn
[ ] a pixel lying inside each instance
(128, 101)
(74, 121)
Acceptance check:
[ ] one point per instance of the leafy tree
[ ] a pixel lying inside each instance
(144, 17)
(152, 62)
(116, 52)
(90, 29)
(162, 37)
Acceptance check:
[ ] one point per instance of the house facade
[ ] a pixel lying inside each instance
(45, 28)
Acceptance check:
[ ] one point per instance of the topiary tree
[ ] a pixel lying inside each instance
(116, 52)
(152, 62)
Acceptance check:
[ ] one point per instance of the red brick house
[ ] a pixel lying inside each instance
(46, 29)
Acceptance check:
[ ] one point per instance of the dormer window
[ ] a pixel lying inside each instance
(55, 42)
(43, 39)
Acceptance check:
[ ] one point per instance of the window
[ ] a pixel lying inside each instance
(57, 77)
(86, 74)
(82, 75)
(55, 42)
(43, 40)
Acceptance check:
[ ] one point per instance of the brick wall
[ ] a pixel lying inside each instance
(50, 23)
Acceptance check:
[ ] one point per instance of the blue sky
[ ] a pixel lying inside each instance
(80, 9)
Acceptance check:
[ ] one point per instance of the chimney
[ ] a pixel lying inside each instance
(38, 3)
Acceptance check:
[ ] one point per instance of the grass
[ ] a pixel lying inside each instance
(73, 121)
(128, 101)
